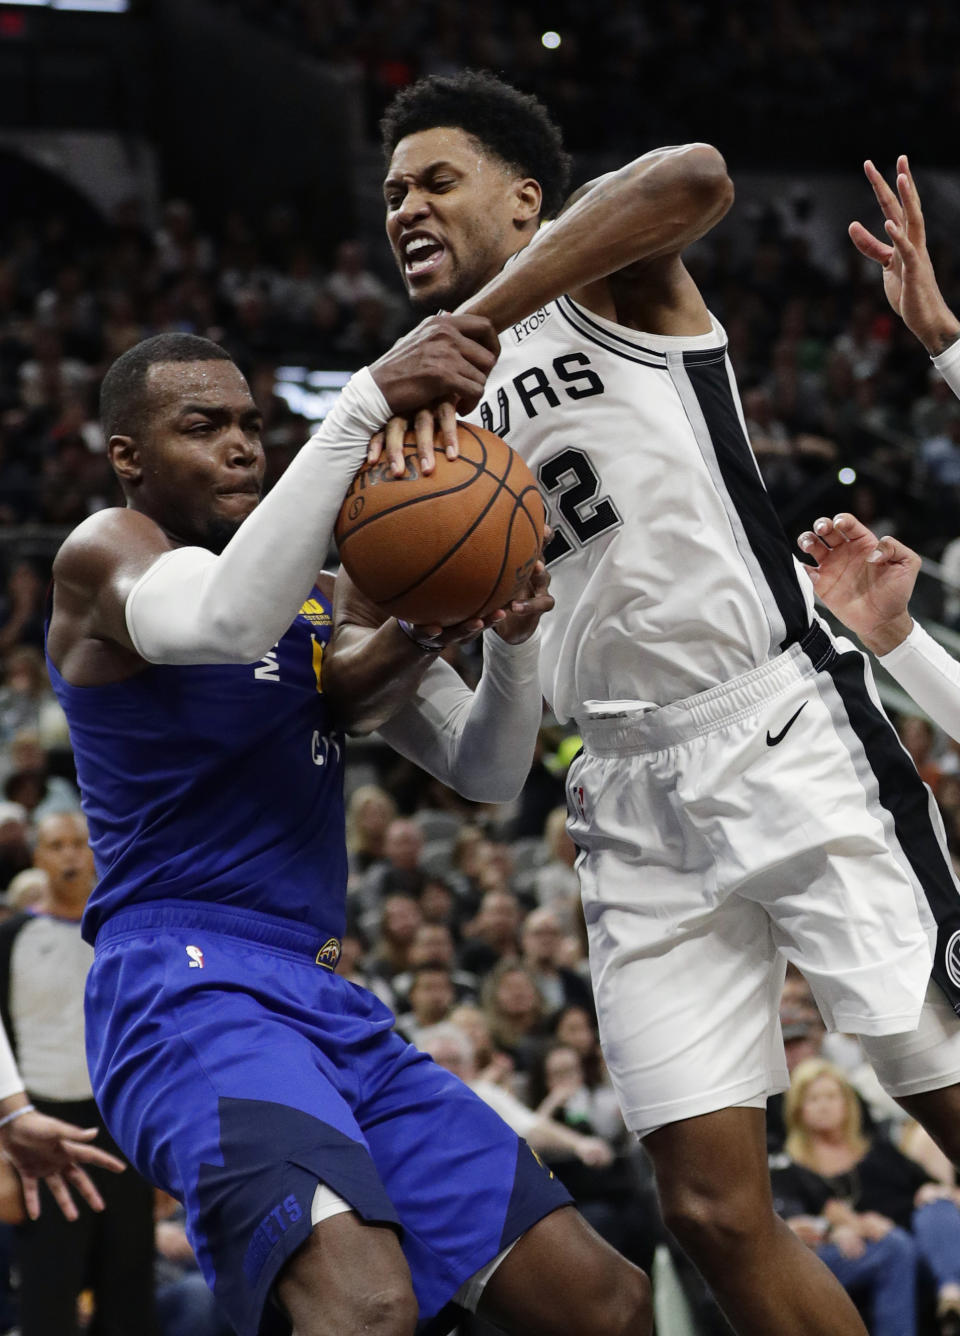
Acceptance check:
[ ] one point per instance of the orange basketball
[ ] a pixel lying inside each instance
(448, 547)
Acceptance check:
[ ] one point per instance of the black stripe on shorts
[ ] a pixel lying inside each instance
(905, 796)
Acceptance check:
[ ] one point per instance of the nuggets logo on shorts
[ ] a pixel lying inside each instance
(329, 954)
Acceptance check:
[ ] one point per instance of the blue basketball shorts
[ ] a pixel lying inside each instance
(237, 1074)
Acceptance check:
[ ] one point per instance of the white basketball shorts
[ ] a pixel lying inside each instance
(774, 817)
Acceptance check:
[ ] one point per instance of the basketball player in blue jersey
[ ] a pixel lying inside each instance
(326, 1166)
(740, 796)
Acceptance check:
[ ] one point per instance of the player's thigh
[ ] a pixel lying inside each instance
(562, 1279)
(348, 1276)
(463, 1183)
(687, 992)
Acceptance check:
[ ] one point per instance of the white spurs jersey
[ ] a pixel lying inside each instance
(670, 569)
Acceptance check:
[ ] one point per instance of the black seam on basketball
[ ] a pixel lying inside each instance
(479, 467)
(518, 509)
(425, 575)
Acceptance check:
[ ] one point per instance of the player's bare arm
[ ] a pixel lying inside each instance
(645, 214)
(909, 281)
(373, 666)
(93, 573)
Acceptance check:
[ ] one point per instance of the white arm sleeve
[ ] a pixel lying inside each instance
(479, 743)
(191, 606)
(10, 1079)
(948, 364)
(930, 675)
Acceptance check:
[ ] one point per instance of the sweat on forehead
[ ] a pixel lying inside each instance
(168, 384)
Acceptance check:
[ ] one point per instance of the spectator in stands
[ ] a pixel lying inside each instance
(515, 1012)
(399, 921)
(556, 884)
(433, 944)
(369, 813)
(919, 737)
(430, 999)
(21, 608)
(351, 282)
(450, 1048)
(30, 784)
(397, 873)
(15, 853)
(541, 941)
(29, 889)
(877, 1213)
(43, 968)
(493, 934)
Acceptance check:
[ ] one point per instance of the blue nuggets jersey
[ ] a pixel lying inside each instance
(221, 785)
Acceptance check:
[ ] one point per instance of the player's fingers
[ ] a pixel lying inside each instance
(79, 1152)
(480, 330)
(480, 356)
(907, 190)
(393, 443)
(424, 428)
(823, 528)
(890, 551)
(85, 1186)
(61, 1195)
(808, 541)
(867, 244)
(447, 427)
(375, 448)
(902, 244)
(887, 200)
(851, 529)
(31, 1196)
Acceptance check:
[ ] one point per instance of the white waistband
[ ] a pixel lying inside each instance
(625, 728)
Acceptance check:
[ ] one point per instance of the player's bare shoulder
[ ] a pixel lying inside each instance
(93, 572)
(655, 294)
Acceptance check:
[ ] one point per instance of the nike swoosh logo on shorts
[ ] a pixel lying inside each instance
(772, 741)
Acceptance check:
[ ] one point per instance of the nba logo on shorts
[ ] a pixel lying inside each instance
(952, 959)
(579, 802)
(196, 957)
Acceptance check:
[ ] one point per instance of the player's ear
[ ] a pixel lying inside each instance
(528, 201)
(124, 456)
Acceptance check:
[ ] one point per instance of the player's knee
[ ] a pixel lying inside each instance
(627, 1309)
(719, 1228)
(389, 1311)
(614, 1299)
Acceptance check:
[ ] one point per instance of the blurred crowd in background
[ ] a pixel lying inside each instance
(643, 70)
(466, 919)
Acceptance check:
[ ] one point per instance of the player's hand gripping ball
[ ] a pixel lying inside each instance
(449, 547)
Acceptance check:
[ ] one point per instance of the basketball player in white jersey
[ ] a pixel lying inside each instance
(866, 581)
(741, 796)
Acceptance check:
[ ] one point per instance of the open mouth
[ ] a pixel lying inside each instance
(421, 255)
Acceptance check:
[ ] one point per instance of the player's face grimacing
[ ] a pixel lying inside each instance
(455, 213)
(197, 464)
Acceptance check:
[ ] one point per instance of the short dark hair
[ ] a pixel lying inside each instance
(515, 126)
(122, 393)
